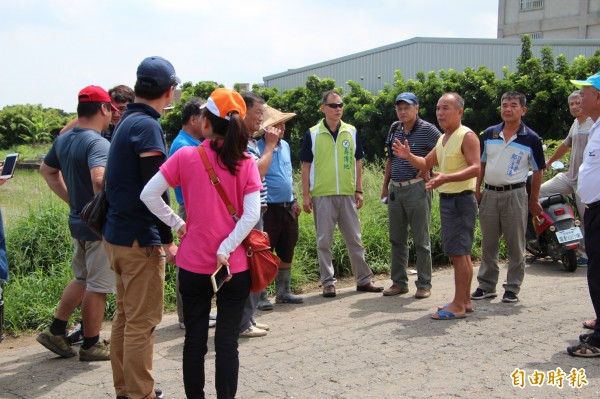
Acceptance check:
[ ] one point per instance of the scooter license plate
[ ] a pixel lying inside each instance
(568, 235)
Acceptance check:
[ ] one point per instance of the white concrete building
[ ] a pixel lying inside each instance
(549, 19)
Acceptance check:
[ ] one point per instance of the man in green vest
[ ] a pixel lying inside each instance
(331, 159)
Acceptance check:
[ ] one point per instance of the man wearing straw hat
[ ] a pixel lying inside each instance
(281, 217)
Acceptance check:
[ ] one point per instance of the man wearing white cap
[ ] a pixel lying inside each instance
(281, 217)
(587, 189)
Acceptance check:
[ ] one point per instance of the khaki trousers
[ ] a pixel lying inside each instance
(340, 210)
(139, 278)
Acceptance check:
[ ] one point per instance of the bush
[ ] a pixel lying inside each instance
(39, 240)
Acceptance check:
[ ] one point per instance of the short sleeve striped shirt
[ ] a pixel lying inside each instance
(253, 150)
(422, 139)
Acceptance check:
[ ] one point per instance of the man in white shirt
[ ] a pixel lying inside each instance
(566, 182)
(589, 192)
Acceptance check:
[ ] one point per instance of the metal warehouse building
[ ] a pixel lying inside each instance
(375, 68)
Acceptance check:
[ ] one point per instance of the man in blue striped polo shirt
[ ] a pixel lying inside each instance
(409, 203)
(508, 150)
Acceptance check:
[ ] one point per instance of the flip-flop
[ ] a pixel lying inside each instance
(583, 350)
(446, 305)
(447, 315)
(590, 324)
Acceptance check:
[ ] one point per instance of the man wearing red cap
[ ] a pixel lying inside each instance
(74, 170)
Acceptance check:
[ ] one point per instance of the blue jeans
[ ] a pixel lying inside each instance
(196, 294)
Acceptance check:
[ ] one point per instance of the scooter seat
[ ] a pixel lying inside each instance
(552, 200)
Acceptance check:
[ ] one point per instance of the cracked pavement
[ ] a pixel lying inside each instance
(364, 345)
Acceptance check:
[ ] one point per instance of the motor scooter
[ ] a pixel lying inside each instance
(557, 231)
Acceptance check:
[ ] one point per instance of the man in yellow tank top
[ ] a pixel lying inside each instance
(457, 155)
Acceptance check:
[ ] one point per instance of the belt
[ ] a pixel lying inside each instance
(406, 182)
(508, 187)
(593, 205)
(453, 195)
(282, 204)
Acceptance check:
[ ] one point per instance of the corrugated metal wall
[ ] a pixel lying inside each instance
(374, 68)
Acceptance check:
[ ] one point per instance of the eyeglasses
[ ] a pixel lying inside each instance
(335, 105)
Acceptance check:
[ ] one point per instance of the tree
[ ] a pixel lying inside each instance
(20, 124)
(171, 123)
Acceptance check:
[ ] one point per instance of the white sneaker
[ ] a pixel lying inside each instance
(182, 325)
(262, 326)
(253, 332)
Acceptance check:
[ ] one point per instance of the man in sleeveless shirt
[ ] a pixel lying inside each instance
(457, 154)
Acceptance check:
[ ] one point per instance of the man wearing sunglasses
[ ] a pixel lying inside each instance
(332, 186)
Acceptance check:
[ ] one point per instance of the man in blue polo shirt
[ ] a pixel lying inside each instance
(137, 243)
(189, 135)
(508, 150)
(409, 203)
(281, 217)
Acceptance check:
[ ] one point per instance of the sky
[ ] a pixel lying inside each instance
(51, 49)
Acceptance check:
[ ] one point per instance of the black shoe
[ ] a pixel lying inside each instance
(510, 297)
(481, 294)
(75, 336)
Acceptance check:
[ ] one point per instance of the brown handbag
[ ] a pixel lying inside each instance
(262, 262)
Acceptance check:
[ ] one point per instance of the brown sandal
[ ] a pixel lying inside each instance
(584, 350)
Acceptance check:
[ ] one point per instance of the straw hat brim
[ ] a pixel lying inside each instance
(273, 117)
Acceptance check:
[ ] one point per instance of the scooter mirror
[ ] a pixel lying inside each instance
(557, 165)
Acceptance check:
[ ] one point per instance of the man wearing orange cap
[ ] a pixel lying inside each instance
(74, 170)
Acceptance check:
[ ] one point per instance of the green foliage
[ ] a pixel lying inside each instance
(39, 240)
(171, 123)
(30, 124)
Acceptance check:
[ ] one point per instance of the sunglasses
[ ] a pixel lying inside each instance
(335, 105)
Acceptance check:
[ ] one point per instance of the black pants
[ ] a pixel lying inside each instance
(196, 293)
(592, 248)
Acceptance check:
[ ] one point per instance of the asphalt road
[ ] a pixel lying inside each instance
(364, 345)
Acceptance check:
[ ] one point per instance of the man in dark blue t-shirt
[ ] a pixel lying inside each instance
(137, 243)
(74, 170)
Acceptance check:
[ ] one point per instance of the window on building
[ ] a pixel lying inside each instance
(531, 4)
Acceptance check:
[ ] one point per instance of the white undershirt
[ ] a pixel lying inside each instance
(151, 196)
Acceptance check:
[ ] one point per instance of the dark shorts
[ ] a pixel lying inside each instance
(458, 216)
(281, 223)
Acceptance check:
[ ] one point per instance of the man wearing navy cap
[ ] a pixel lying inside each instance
(587, 189)
(409, 203)
(137, 243)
